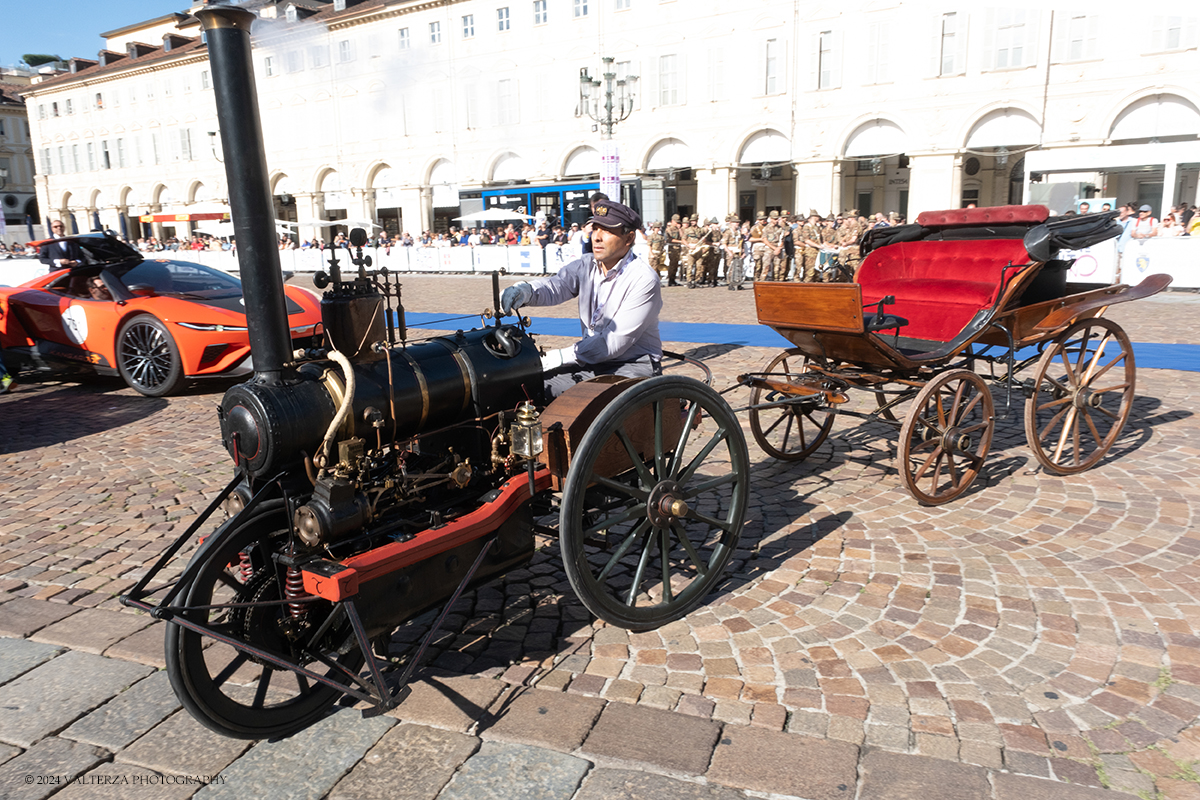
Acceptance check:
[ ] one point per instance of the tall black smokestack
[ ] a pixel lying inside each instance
(227, 31)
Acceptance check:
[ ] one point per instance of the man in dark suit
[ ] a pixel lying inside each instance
(60, 253)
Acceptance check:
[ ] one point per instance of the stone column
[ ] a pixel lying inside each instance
(1170, 172)
(955, 184)
(835, 196)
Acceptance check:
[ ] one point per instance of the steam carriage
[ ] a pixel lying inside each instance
(935, 311)
(377, 479)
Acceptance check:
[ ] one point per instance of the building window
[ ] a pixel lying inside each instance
(539, 12)
(877, 52)
(105, 159)
(121, 153)
(1172, 33)
(435, 33)
(1011, 33)
(156, 151)
(62, 160)
(91, 156)
(668, 80)
(269, 66)
(771, 67)
(205, 79)
(75, 158)
(502, 22)
(345, 50)
(44, 161)
(829, 59)
(581, 8)
(3, 135)
(622, 5)
(405, 41)
(468, 21)
(54, 109)
(1079, 38)
(69, 107)
(295, 61)
(319, 55)
(948, 45)
(41, 110)
(506, 102)
(291, 14)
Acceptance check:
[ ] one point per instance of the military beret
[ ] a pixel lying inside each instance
(611, 214)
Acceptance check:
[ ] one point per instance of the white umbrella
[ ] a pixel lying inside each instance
(492, 215)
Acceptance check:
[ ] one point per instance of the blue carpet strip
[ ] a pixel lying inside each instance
(1149, 355)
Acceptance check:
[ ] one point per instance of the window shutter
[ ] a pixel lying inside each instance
(1091, 44)
(935, 62)
(835, 70)
(1188, 36)
(716, 74)
(960, 44)
(1158, 34)
(873, 53)
(989, 41)
(1031, 48)
(681, 77)
(814, 61)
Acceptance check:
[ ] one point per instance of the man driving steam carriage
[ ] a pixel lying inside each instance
(619, 302)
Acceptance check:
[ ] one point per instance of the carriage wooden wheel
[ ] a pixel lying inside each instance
(946, 436)
(789, 431)
(1082, 394)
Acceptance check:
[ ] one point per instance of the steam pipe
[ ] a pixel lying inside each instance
(227, 31)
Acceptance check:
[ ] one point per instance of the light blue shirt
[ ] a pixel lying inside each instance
(618, 312)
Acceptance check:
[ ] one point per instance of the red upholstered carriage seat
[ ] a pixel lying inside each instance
(940, 286)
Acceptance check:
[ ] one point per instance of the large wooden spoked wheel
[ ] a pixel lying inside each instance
(946, 436)
(644, 546)
(1082, 395)
(790, 431)
(236, 694)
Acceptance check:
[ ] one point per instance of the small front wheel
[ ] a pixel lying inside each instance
(946, 436)
(788, 428)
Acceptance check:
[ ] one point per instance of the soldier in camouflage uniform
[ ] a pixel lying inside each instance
(692, 253)
(773, 236)
(712, 252)
(731, 242)
(657, 245)
(783, 265)
(810, 236)
(828, 246)
(847, 241)
(758, 246)
(673, 235)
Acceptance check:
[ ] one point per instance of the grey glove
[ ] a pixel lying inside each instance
(514, 297)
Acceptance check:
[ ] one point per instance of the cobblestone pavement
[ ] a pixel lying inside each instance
(1035, 638)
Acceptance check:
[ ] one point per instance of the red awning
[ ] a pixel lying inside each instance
(185, 217)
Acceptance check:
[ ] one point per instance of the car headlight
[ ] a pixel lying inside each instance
(198, 327)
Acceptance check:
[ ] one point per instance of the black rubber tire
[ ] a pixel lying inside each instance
(148, 358)
(243, 711)
(711, 474)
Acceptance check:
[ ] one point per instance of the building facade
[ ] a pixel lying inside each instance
(18, 202)
(412, 112)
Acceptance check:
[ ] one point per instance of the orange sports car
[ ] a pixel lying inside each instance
(155, 322)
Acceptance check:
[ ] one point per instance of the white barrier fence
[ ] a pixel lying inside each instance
(462, 260)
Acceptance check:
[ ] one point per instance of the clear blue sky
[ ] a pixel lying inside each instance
(70, 27)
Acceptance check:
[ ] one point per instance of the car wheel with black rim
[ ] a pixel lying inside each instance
(148, 357)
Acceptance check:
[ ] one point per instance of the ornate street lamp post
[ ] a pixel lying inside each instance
(608, 107)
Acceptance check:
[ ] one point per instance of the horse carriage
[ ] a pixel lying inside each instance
(377, 479)
(931, 307)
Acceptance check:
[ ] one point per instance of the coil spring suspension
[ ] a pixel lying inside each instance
(293, 587)
(247, 566)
